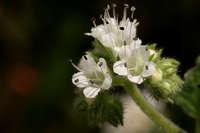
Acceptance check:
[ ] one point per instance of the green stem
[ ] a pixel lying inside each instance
(157, 117)
(197, 125)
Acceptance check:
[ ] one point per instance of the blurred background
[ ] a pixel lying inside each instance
(38, 37)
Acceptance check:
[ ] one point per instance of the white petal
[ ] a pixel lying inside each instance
(113, 24)
(135, 44)
(107, 82)
(97, 31)
(102, 65)
(80, 80)
(124, 52)
(91, 92)
(107, 40)
(87, 63)
(135, 79)
(151, 69)
(141, 53)
(120, 68)
(131, 29)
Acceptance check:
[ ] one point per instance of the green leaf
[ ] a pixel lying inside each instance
(189, 97)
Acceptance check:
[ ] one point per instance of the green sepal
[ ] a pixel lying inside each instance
(153, 46)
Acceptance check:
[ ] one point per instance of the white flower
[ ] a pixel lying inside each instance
(92, 76)
(114, 34)
(134, 64)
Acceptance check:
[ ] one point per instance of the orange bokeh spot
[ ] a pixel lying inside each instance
(22, 79)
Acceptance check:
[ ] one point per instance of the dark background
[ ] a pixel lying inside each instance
(38, 37)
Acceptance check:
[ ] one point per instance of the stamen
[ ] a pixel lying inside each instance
(75, 66)
(125, 11)
(132, 21)
(106, 13)
(114, 6)
(132, 12)
(108, 7)
(94, 21)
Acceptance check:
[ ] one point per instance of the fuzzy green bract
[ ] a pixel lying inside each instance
(165, 83)
(104, 108)
(189, 97)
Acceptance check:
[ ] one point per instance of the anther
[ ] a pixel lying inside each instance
(125, 43)
(76, 81)
(146, 67)
(85, 57)
(114, 6)
(132, 10)
(125, 11)
(108, 7)
(121, 28)
(91, 81)
(135, 39)
(100, 64)
(125, 64)
(146, 48)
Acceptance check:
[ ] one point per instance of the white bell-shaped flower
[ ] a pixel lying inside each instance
(135, 64)
(92, 76)
(115, 34)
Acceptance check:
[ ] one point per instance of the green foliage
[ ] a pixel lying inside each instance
(189, 97)
(104, 108)
(80, 103)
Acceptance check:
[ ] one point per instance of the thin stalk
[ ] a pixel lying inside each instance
(157, 117)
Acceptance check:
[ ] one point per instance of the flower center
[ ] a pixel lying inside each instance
(96, 77)
(135, 65)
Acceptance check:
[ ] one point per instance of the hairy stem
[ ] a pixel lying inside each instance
(197, 125)
(157, 117)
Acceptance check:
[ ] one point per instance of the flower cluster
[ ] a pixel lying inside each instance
(119, 54)
(133, 57)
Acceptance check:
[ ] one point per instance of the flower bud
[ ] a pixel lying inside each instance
(157, 76)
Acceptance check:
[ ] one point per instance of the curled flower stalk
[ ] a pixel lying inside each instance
(157, 117)
(134, 63)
